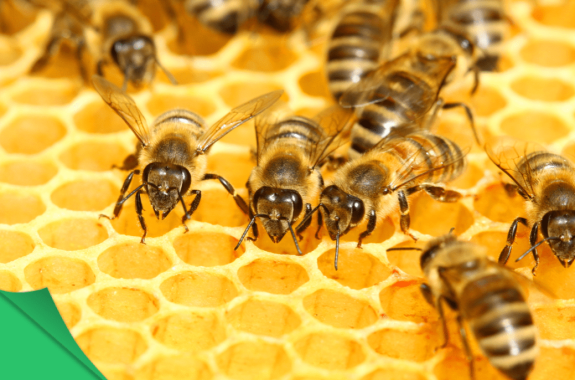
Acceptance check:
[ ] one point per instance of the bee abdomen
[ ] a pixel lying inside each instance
(502, 324)
(224, 16)
(296, 130)
(355, 47)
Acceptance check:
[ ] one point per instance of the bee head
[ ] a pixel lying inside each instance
(166, 184)
(341, 211)
(432, 248)
(136, 58)
(281, 206)
(560, 226)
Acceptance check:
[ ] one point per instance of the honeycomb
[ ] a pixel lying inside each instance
(186, 305)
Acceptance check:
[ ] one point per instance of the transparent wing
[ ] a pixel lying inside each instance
(124, 106)
(235, 118)
(263, 123)
(411, 80)
(510, 157)
(420, 163)
(336, 123)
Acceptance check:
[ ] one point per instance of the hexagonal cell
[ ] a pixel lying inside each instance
(40, 133)
(236, 174)
(70, 313)
(207, 249)
(329, 351)
(111, 373)
(88, 156)
(87, 195)
(407, 260)
(403, 301)
(181, 367)
(266, 57)
(459, 130)
(554, 363)
(98, 117)
(243, 135)
(198, 289)
(27, 173)
(555, 322)
(190, 75)
(454, 365)
(545, 89)
(47, 96)
(123, 304)
(469, 178)
(9, 282)
(272, 276)
(112, 345)
(495, 203)
(161, 102)
(413, 345)
(21, 16)
(315, 84)
(73, 234)
(59, 274)
(13, 245)
(548, 53)
(435, 218)
(254, 360)
(218, 207)
(238, 93)
(495, 241)
(287, 246)
(356, 269)
(383, 231)
(393, 374)
(562, 15)
(263, 318)
(19, 208)
(189, 331)
(133, 260)
(339, 310)
(487, 100)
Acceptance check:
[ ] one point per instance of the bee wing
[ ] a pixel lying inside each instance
(235, 118)
(509, 157)
(124, 106)
(263, 124)
(336, 123)
(420, 163)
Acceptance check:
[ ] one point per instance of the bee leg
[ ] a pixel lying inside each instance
(129, 163)
(370, 227)
(302, 227)
(438, 305)
(469, 117)
(404, 219)
(49, 52)
(100, 67)
(195, 203)
(230, 189)
(319, 224)
(139, 209)
(532, 241)
(121, 198)
(466, 347)
(442, 195)
(506, 252)
(81, 47)
(510, 189)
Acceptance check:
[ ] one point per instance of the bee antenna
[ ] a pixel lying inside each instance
(404, 249)
(537, 245)
(168, 74)
(252, 221)
(451, 230)
(306, 217)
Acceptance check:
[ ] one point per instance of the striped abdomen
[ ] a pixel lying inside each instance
(442, 157)
(225, 16)
(190, 119)
(501, 323)
(540, 163)
(355, 46)
(297, 131)
(485, 23)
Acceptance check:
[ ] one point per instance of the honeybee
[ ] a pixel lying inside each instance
(172, 155)
(281, 15)
(360, 39)
(362, 189)
(224, 16)
(547, 183)
(487, 297)
(484, 21)
(287, 178)
(126, 40)
(70, 21)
